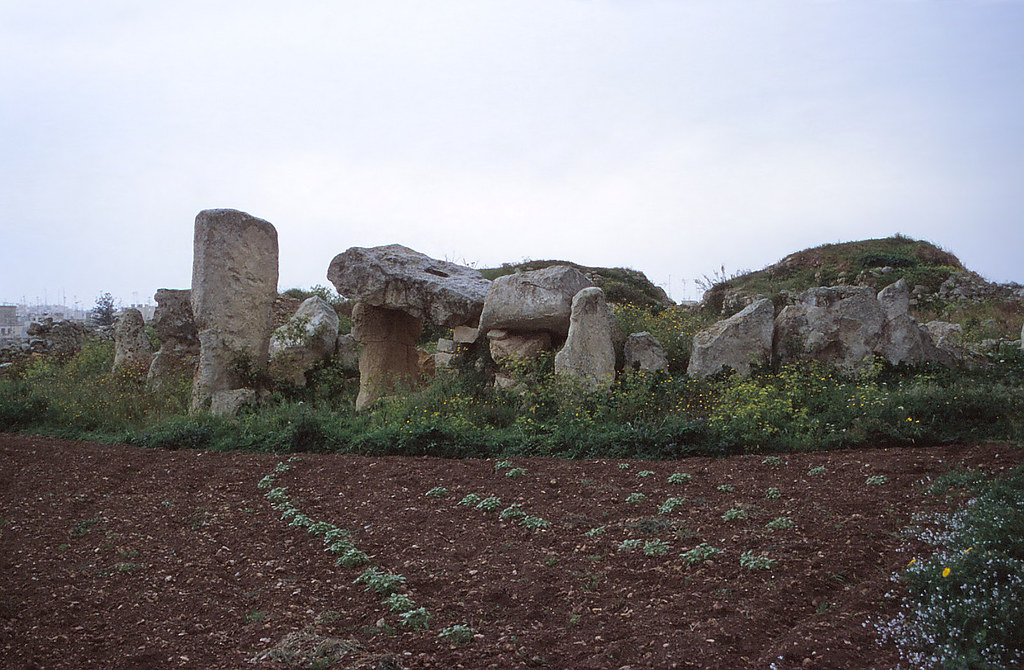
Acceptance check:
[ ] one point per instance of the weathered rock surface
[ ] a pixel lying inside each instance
(62, 339)
(903, 340)
(517, 345)
(847, 325)
(396, 277)
(739, 342)
(970, 287)
(588, 353)
(231, 402)
(841, 325)
(465, 334)
(642, 351)
(948, 339)
(308, 338)
(389, 357)
(346, 352)
(132, 349)
(234, 286)
(179, 341)
(533, 301)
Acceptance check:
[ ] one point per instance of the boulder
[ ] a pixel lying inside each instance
(840, 325)
(178, 355)
(903, 341)
(389, 357)
(133, 352)
(61, 339)
(739, 342)
(346, 352)
(231, 402)
(234, 286)
(465, 334)
(948, 339)
(517, 345)
(308, 338)
(398, 278)
(588, 354)
(533, 301)
(642, 351)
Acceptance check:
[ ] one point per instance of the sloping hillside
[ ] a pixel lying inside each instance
(942, 288)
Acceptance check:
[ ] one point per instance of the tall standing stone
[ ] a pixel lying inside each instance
(179, 342)
(903, 340)
(132, 348)
(389, 357)
(234, 284)
(588, 354)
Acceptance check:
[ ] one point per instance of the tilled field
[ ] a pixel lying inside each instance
(117, 557)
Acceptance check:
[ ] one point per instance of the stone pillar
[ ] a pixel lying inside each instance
(234, 284)
(388, 357)
(179, 343)
(588, 354)
(132, 348)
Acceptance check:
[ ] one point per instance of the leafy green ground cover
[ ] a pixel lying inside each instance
(962, 601)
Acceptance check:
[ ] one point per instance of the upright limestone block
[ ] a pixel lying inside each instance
(179, 343)
(132, 349)
(588, 354)
(234, 284)
(388, 358)
(903, 340)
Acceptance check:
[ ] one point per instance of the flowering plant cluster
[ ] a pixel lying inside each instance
(963, 605)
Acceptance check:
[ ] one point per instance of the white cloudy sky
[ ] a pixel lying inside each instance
(671, 137)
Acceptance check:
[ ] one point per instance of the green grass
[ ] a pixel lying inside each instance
(797, 407)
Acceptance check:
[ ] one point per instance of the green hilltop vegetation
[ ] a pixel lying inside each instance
(987, 314)
(920, 263)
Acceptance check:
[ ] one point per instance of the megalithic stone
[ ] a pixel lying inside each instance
(234, 284)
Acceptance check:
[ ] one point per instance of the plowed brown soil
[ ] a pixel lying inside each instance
(117, 557)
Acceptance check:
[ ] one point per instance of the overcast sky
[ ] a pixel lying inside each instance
(670, 137)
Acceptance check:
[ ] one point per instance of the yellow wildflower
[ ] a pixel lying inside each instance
(945, 573)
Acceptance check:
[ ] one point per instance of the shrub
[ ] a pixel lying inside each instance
(963, 605)
(20, 407)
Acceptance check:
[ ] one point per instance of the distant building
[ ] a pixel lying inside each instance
(147, 311)
(10, 327)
